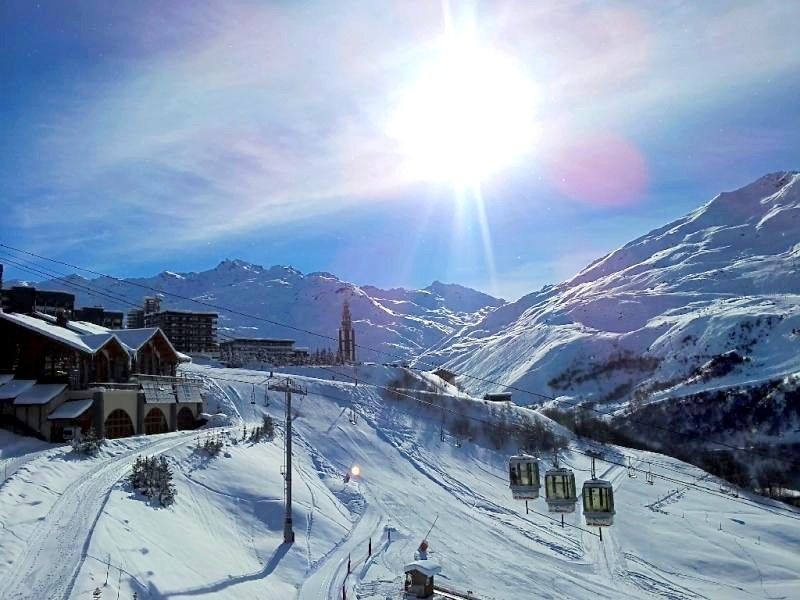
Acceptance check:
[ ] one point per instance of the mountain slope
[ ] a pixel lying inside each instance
(709, 301)
(222, 538)
(397, 321)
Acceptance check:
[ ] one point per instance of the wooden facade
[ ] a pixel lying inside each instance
(104, 370)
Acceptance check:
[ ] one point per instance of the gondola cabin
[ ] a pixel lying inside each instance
(598, 503)
(560, 492)
(523, 474)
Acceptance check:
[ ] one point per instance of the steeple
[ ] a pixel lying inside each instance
(347, 336)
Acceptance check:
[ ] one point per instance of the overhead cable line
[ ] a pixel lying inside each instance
(780, 511)
(387, 353)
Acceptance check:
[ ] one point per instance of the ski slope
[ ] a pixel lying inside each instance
(223, 536)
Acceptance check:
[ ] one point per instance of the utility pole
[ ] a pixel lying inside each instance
(288, 387)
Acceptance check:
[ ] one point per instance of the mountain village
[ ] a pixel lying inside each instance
(353, 466)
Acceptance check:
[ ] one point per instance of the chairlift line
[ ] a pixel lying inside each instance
(690, 484)
(375, 350)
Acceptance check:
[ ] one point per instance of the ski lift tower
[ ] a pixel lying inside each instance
(289, 387)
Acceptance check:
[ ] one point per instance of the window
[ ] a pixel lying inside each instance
(155, 422)
(118, 424)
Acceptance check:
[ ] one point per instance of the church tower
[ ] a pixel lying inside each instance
(347, 336)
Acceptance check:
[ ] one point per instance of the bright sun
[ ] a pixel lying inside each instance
(467, 114)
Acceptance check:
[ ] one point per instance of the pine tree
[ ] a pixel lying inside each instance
(269, 427)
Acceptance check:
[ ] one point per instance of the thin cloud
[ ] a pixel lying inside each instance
(235, 117)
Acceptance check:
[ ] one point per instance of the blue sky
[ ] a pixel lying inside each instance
(144, 136)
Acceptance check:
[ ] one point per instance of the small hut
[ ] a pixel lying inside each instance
(419, 578)
(446, 375)
(498, 397)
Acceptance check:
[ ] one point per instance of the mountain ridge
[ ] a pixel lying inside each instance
(397, 321)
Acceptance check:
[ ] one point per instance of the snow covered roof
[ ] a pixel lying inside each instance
(50, 330)
(158, 392)
(136, 338)
(5, 378)
(86, 327)
(88, 337)
(15, 387)
(71, 409)
(427, 567)
(41, 393)
(188, 392)
(81, 327)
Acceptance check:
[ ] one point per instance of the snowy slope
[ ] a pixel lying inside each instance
(222, 537)
(655, 318)
(399, 321)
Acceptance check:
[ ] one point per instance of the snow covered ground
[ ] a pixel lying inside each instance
(70, 525)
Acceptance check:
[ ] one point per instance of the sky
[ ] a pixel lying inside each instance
(147, 136)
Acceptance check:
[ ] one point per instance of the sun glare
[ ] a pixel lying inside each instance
(467, 114)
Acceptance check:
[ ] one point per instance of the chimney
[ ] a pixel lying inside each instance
(61, 317)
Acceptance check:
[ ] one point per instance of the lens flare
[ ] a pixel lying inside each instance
(355, 471)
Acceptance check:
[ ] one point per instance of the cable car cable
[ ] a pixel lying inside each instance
(748, 501)
(778, 510)
(385, 352)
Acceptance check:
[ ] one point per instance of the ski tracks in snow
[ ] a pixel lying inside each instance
(58, 545)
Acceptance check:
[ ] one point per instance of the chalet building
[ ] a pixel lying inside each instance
(57, 373)
(241, 351)
(99, 316)
(188, 331)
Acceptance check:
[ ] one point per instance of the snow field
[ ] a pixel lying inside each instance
(222, 537)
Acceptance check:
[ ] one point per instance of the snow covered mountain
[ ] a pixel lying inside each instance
(398, 321)
(709, 302)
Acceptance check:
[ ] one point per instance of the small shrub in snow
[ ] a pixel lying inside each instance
(87, 445)
(213, 444)
(152, 477)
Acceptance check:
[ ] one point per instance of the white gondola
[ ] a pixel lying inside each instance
(559, 489)
(523, 474)
(598, 503)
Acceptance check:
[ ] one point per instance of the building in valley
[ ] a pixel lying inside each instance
(57, 373)
(241, 351)
(136, 316)
(24, 299)
(189, 331)
(99, 316)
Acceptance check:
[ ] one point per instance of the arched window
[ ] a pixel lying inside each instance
(186, 419)
(155, 422)
(118, 424)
